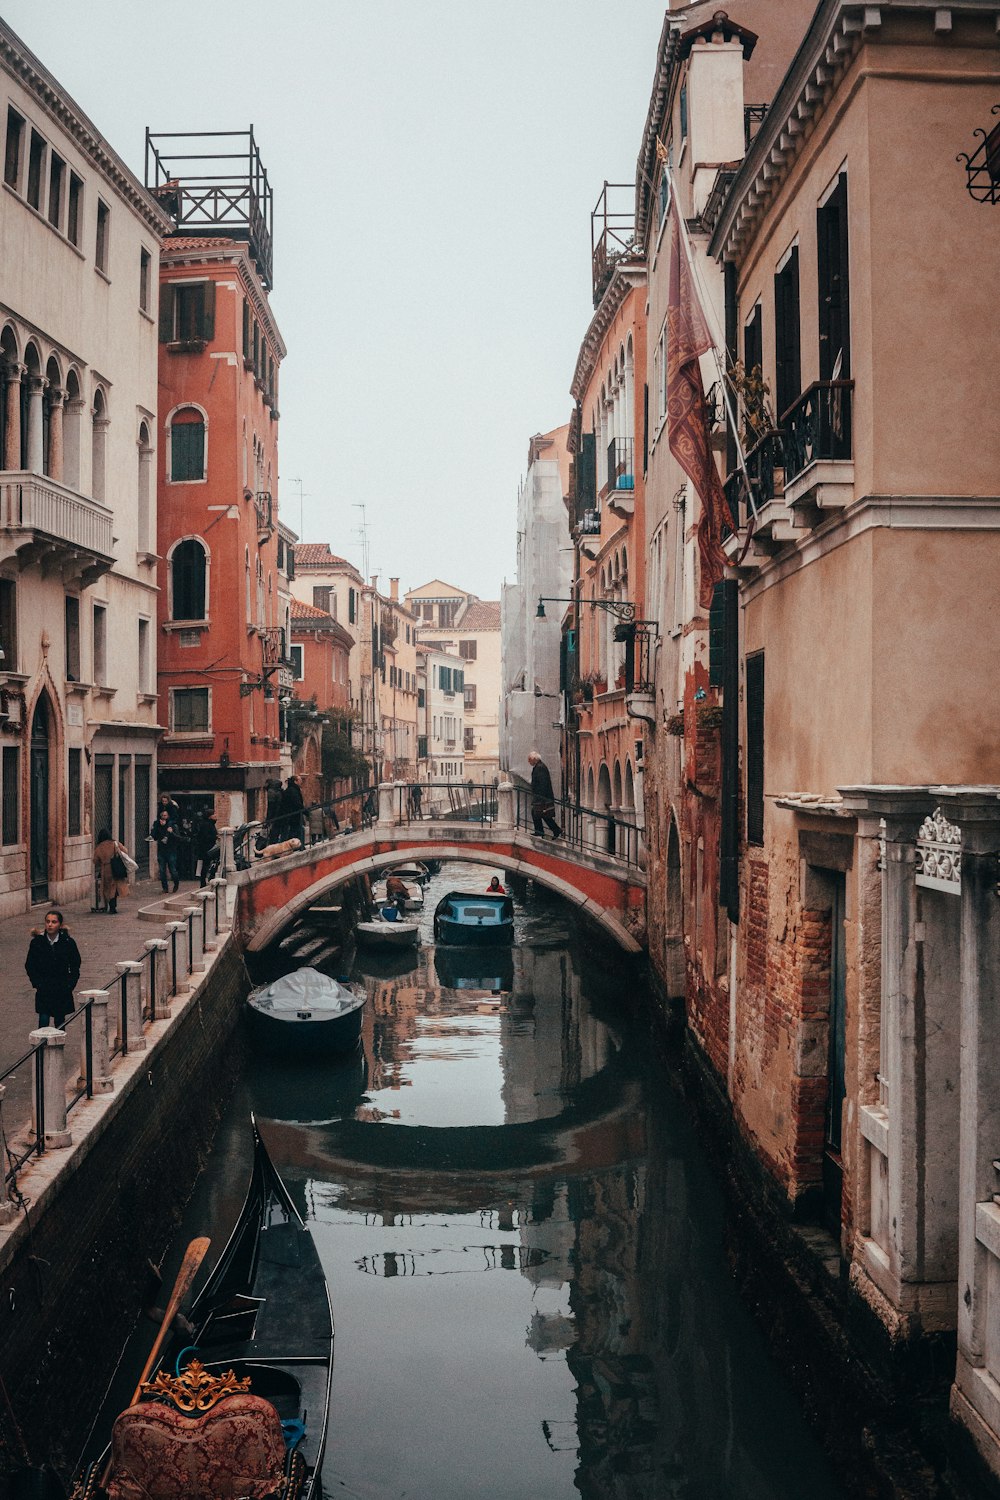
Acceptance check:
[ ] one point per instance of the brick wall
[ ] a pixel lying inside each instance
(72, 1291)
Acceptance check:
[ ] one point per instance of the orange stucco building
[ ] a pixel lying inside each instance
(222, 623)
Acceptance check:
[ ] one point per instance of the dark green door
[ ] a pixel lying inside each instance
(39, 854)
(832, 1169)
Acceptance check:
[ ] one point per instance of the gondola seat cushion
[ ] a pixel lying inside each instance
(236, 1449)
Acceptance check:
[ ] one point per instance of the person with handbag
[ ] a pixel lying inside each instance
(112, 869)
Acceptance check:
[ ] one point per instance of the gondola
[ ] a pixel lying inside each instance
(240, 1406)
(472, 919)
(305, 1013)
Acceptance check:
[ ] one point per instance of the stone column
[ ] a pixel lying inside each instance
(8, 1212)
(72, 441)
(36, 392)
(386, 804)
(227, 864)
(177, 953)
(100, 1042)
(206, 901)
(505, 805)
(976, 810)
(131, 973)
(12, 432)
(53, 1084)
(220, 893)
(158, 986)
(192, 917)
(56, 399)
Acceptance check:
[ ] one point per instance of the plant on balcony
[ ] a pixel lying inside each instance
(674, 724)
(753, 393)
(709, 716)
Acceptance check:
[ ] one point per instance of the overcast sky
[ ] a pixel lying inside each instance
(434, 165)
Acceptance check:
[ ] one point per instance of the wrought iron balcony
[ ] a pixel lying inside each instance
(818, 426)
(762, 460)
(46, 522)
(265, 512)
(588, 523)
(214, 182)
(621, 471)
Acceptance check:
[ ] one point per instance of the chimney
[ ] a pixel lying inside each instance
(375, 582)
(394, 590)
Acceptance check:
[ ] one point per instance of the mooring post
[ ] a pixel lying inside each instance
(159, 989)
(53, 1040)
(131, 983)
(100, 1042)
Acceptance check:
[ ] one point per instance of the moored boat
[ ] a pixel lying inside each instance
(240, 1406)
(464, 917)
(412, 901)
(386, 929)
(305, 1013)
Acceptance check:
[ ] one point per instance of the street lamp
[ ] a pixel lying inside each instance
(622, 609)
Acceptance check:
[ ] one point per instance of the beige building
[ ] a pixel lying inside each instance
(441, 727)
(456, 621)
(79, 244)
(333, 584)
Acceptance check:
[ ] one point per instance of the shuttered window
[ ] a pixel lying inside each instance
(187, 447)
(188, 581)
(834, 289)
(787, 353)
(11, 794)
(187, 312)
(755, 748)
(189, 710)
(74, 784)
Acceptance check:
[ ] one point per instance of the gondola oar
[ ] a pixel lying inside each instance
(193, 1257)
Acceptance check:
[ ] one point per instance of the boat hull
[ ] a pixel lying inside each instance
(387, 934)
(447, 930)
(292, 1036)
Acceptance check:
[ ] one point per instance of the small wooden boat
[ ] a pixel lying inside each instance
(461, 917)
(304, 1013)
(415, 870)
(414, 900)
(240, 1407)
(387, 930)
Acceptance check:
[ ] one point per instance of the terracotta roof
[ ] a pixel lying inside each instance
(317, 555)
(197, 242)
(481, 614)
(302, 611)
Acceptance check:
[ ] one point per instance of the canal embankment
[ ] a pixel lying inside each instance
(89, 1216)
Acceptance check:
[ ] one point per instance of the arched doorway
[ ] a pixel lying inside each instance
(39, 802)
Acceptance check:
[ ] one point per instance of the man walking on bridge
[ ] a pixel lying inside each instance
(543, 800)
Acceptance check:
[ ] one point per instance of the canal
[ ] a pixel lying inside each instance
(522, 1236)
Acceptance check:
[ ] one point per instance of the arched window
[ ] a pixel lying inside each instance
(99, 446)
(188, 569)
(145, 469)
(72, 430)
(52, 434)
(10, 384)
(187, 445)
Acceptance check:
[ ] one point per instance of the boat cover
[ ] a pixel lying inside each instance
(305, 989)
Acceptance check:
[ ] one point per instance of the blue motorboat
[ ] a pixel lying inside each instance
(471, 919)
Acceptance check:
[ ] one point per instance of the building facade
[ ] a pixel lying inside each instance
(79, 241)
(331, 583)
(454, 620)
(441, 738)
(531, 703)
(222, 615)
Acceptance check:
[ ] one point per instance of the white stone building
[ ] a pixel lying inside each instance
(441, 726)
(452, 619)
(79, 246)
(531, 702)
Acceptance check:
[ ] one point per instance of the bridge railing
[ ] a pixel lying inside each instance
(445, 802)
(583, 828)
(314, 823)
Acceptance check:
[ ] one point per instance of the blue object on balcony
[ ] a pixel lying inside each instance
(625, 482)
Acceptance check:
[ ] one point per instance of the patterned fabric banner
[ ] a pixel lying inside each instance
(687, 411)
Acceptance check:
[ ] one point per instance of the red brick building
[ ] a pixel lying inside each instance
(223, 629)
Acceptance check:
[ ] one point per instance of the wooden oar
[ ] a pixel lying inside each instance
(193, 1257)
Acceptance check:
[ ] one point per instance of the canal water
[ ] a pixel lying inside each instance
(522, 1236)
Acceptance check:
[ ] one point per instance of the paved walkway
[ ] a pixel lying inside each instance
(103, 940)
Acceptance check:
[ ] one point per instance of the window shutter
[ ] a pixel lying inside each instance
(755, 748)
(166, 314)
(208, 310)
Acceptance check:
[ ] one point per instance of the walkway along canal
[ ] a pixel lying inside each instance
(522, 1235)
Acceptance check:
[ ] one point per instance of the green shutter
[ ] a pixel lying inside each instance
(166, 314)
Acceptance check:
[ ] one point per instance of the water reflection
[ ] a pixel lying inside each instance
(524, 1244)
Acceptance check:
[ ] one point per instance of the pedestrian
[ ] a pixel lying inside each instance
(397, 892)
(543, 800)
(317, 828)
(416, 797)
(111, 869)
(495, 888)
(164, 836)
(173, 808)
(206, 844)
(273, 806)
(53, 966)
(292, 805)
(369, 812)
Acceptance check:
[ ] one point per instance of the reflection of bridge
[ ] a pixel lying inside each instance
(606, 888)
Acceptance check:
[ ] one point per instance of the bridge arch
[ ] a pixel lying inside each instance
(368, 862)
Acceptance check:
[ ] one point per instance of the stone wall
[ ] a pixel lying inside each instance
(73, 1286)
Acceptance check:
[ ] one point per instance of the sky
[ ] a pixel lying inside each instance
(434, 166)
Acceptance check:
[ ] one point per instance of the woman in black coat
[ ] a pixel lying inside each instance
(53, 966)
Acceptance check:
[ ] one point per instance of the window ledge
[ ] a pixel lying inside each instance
(78, 687)
(169, 625)
(194, 737)
(103, 690)
(186, 346)
(146, 697)
(148, 557)
(103, 275)
(12, 676)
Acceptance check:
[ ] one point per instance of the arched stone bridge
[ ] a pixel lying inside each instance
(272, 892)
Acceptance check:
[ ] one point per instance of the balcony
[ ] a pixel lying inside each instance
(264, 507)
(47, 523)
(619, 489)
(819, 467)
(588, 523)
(612, 233)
